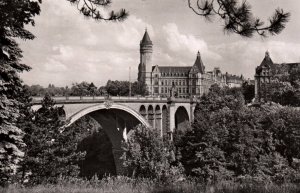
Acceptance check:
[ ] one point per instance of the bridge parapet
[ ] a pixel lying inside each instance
(99, 99)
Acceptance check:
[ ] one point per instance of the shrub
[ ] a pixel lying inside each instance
(148, 155)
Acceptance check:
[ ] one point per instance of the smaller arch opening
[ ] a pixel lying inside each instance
(143, 111)
(181, 119)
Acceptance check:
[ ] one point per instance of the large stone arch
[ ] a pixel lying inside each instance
(88, 110)
(116, 120)
(181, 118)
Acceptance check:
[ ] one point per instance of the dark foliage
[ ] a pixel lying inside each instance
(51, 149)
(14, 16)
(231, 141)
(121, 88)
(146, 154)
(248, 91)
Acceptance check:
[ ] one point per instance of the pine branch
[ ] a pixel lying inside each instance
(90, 8)
(238, 18)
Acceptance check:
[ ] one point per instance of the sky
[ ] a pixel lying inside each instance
(70, 48)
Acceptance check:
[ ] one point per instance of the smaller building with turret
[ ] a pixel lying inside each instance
(181, 81)
(269, 72)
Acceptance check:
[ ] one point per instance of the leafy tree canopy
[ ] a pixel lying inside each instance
(148, 155)
(51, 150)
(14, 16)
(231, 141)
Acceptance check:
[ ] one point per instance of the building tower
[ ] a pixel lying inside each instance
(262, 76)
(145, 66)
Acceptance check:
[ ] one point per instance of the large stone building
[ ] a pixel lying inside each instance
(267, 73)
(182, 81)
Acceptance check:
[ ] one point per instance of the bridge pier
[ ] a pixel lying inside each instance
(120, 169)
(158, 123)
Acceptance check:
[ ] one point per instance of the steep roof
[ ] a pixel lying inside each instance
(146, 39)
(267, 61)
(174, 69)
(199, 64)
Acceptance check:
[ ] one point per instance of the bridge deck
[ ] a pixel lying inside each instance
(100, 99)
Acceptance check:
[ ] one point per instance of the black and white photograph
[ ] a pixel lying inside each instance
(150, 96)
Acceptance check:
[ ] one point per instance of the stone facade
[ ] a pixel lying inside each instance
(181, 81)
(267, 73)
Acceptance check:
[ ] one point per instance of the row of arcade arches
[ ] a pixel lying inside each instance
(159, 117)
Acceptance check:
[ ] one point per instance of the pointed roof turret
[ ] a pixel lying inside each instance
(267, 61)
(146, 39)
(199, 64)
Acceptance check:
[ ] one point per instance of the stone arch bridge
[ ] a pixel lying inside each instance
(117, 115)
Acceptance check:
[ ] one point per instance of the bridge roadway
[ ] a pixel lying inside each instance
(118, 115)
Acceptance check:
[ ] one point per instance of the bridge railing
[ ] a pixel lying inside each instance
(91, 98)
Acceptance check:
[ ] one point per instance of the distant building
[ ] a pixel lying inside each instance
(268, 72)
(184, 81)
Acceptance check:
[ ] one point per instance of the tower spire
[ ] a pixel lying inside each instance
(199, 64)
(146, 39)
(267, 61)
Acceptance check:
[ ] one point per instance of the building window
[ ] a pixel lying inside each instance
(155, 82)
(162, 89)
(162, 82)
(156, 75)
(156, 90)
(166, 89)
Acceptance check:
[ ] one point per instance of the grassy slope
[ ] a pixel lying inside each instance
(127, 185)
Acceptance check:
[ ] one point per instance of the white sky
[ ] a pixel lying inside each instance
(70, 48)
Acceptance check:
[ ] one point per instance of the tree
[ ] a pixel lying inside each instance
(238, 17)
(202, 146)
(90, 8)
(51, 149)
(80, 89)
(102, 90)
(248, 91)
(229, 140)
(37, 90)
(139, 88)
(14, 16)
(117, 88)
(219, 98)
(146, 154)
(92, 89)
